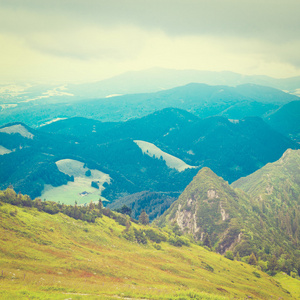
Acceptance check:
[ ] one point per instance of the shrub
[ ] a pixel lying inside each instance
(207, 267)
(157, 246)
(229, 255)
(140, 236)
(13, 213)
(252, 260)
(256, 274)
(155, 236)
(179, 241)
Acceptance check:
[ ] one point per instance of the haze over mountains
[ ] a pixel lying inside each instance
(200, 99)
(129, 172)
(147, 81)
(214, 165)
(176, 131)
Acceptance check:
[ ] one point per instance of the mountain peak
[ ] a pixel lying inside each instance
(207, 204)
(268, 182)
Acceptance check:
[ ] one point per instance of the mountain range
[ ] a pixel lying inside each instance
(144, 81)
(213, 168)
(201, 99)
(160, 152)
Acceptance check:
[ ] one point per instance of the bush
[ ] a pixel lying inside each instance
(157, 246)
(252, 260)
(229, 255)
(140, 236)
(207, 248)
(207, 267)
(179, 241)
(13, 213)
(155, 236)
(256, 274)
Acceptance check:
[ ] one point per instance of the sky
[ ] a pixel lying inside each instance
(81, 41)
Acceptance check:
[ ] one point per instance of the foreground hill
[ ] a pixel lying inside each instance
(57, 257)
(264, 221)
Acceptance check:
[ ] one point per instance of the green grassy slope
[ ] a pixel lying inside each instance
(46, 256)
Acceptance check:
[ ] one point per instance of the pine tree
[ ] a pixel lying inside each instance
(206, 241)
(252, 260)
(100, 207)
(272, 265)
(143, 218)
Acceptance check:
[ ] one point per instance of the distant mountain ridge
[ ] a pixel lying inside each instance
(144, 81)
(201, 99)
(286, 120)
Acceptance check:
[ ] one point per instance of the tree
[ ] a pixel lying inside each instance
(91, 205)
(176, 229)
(252, 260)
(125, 210)
(229, 255)
(100, 207)
(206, 241)
(88, 173)
(95, 185)
(272, 265)
(144, 218)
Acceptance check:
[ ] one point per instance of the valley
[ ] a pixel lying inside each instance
(190, 192)
(149, 150)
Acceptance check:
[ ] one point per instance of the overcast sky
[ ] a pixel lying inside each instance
(83, 40)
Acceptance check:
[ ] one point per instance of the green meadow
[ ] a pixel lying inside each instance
(45, 256)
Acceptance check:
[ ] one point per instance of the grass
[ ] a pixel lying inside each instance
(4, 150)
(289, 283)
(171, 161)
(46, 256)
(71, 192)
(17, 129)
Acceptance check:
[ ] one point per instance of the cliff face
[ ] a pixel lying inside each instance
(209, 205)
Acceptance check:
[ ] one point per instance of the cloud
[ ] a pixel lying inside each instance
(88, 43)
(274, 20)
(97, 37)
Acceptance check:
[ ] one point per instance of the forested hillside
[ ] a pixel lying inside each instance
(111, 149)
(263, 222)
